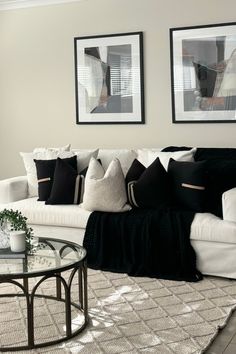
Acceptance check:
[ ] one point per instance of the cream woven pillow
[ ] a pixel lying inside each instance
(105, 191)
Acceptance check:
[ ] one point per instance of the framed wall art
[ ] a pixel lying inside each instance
(203, 73)
(109, 79)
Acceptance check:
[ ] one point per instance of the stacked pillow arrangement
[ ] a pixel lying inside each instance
(74, 177)
(56, 175)
(220, 174)
(171, 178)
(190, 178)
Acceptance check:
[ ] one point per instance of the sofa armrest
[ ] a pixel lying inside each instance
(13, 189)
(229, 205)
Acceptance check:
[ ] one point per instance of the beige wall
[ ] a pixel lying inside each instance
(37, 99)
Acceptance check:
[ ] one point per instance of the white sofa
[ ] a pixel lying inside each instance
(213, 239)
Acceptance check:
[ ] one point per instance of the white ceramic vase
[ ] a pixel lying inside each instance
(17, 241)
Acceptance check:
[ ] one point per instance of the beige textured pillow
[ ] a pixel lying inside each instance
(105, 191)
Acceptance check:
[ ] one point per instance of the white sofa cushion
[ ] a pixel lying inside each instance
(83, 157)
(13, 189)
(105, 190)
(125, 156)
(142, 155)
(57, 215)
(45, 149)
(229, 205)
(208, 227)
(164, 156)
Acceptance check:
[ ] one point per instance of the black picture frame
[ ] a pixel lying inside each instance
(203, 76)
(109, 79)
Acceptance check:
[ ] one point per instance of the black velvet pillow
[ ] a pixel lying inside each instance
(45, 174)
(176, 148)
(215, 153)
(67, 185)
(206, 78)
(151, 188)
(221, 176)
(188, 180)
(135, 171)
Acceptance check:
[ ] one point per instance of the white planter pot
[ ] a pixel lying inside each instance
(17, 241)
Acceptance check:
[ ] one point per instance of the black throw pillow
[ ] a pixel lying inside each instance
(188, 180)
(67, 185)
(215, 153)
(45, 174)
(176, 148)
(221, 176)
(151, 188)
(135, 171)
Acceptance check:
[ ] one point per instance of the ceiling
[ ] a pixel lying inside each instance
(17, 4)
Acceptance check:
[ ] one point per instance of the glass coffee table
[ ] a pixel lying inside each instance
(50, 259)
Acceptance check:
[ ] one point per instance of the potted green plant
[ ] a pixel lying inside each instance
(15, 224)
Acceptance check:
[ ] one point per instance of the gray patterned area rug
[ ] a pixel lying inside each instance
(128, 315)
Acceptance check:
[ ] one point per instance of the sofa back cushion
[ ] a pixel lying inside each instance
(164, 157)
(83, 157)
(125, 156)
(143, 155)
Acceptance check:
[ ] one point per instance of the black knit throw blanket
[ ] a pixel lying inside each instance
(153, 243)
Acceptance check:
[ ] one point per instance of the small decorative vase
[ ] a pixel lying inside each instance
(17, 241)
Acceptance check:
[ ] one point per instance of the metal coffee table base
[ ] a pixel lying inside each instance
(82, 306)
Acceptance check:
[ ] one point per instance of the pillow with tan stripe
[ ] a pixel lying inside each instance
(188, 182)
(67, 187)
(45, 174)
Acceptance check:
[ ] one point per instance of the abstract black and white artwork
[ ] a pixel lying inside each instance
(203, 73)
(109, 79)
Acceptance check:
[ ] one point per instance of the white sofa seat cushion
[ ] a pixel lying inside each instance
(208, 227)
(57, 215)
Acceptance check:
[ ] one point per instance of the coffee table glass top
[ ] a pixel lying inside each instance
(47, 255)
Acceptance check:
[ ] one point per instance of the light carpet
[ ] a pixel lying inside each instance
(128, 315)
